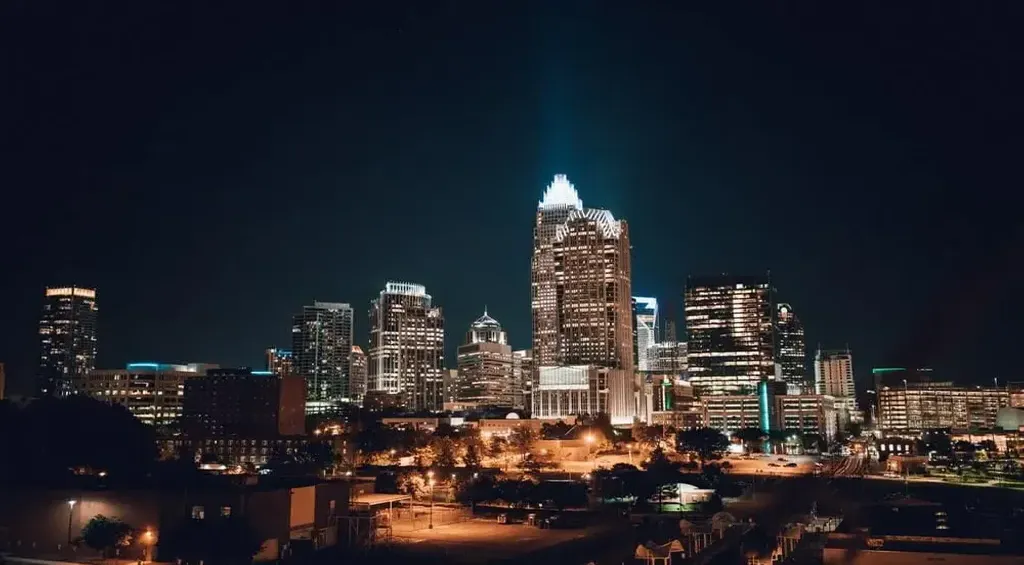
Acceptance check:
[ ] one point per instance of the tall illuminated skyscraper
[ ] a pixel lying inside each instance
(583, 347)
(730, 333)
(790, 348)
(321, 344)
(485, 365)
(592, 282)
(559, 201)
(67, 336)
(406, 356)
(646, 329)
(357, 374)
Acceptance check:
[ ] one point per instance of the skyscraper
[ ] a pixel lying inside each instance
(522, 377)
(833, 376)
(790, 348)
(280, 361)
(321, 344)
(730, 333)
(357, 374)
(646, 329)
(592, 285)
(559, 201)
(582, 310)
(485, 364)
(406, 356)
(833, 373)
(67, 335)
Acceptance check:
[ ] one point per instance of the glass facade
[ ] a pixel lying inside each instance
(321, 344)
(67, 338)
(406, 356)
(791, 348)
(730, 333)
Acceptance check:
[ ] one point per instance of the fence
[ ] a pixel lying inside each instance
(413, 517)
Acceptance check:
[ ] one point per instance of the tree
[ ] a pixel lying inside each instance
(472, 457)
(117, 442)
(705, 442)
(106, 534)
(444, 452)
(554, 431)
(213, 541)
(659, 464)
(521, 440)
(750, 436)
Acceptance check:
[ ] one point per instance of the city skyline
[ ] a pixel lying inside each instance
(311, 185)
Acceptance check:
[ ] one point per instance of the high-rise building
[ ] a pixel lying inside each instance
(806, 414)
(559, 201)
(243, 403)
(582, 310)
(522, 377)
(592, 282)
(280, 361)
(833, 376)
(450, 386)
(67, 334)
(406, 356)
(485, 364)
(730, 333)
(833, 373)
(646, 329)
(790, 348)
(152, 392)
(321, 345)
(357, 374)
(667, 358)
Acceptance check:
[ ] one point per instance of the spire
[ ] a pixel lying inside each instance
(561, 193)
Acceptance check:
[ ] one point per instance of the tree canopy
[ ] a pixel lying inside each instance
(705, 442)
(106, 534)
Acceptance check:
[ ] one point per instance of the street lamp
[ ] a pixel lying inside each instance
(430, 524)
(147, 541)
(71, 507)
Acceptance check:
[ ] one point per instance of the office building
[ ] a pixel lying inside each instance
(592, 281)
(675, 405)
(559, 201)
(280, 361)
(67, 336)
(806, 414)
(569, 391)
(667, 358)
(357, 374)
(646, 329)
(241, 403)
(1016, 394)
(321, 345)
(833, 376)
(522, 377)
(912, 408)
(152, 392)
(729, 413)
(791, 349)
(485, 365)
(730, 333)
(406, 356)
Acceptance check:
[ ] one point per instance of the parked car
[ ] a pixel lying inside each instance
(791, 464)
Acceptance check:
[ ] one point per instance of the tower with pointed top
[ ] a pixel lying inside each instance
(485, 363)
(582, 310)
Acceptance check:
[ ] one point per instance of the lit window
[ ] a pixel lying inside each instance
(225, 511)
(198, 513)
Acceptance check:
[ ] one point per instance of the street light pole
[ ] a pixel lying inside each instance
(430, 524)
(71, 508)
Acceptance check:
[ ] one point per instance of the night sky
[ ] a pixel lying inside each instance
(211, 170)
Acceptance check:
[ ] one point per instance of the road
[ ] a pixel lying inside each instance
(852, 466)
